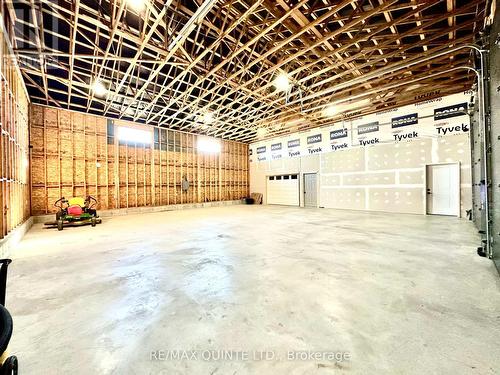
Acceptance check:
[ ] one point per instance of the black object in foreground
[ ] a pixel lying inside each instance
(8, 365)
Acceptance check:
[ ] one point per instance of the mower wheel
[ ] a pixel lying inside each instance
(10, 366)
(93, 221)
(60, 224)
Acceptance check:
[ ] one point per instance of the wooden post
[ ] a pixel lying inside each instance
(2, 120)
(168, 167)
(106, 171)
(96, 159)
(46, 198)
(198, 173)
(59, 158)
(116, 168)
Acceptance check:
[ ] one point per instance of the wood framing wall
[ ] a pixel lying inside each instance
(14, 169)
(75, 154)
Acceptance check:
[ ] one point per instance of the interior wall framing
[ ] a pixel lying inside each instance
(14, 103)
(77, 154)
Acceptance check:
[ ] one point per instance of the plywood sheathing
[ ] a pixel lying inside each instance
(14, 153)
(74, 154)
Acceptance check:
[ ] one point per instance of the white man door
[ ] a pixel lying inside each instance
(310, 190)
(443, 189)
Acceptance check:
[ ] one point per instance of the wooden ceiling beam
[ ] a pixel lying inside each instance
(270, 71)
(361, 54)
(227, 61)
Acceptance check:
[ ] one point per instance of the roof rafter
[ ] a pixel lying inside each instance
(175, 60)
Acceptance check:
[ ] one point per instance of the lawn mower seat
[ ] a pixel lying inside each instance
(5, 329)
(8, 365)
(5, 318)
(75, 210)
(76, 206)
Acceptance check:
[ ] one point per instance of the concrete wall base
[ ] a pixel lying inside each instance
(8, 244)
(144, 210)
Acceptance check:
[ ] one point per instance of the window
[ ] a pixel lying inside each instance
(133, 135)
(294, 176)
(278, 177)
(111, 132)
(286, 177)
(209, 145)
(271, 177)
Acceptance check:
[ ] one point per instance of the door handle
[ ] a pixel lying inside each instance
(429, 191)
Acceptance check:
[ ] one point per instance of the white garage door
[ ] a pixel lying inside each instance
(283, 189)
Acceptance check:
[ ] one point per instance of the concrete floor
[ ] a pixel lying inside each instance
(399, 294)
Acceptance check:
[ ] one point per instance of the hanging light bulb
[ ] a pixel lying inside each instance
(261, 132)
(99, 89)
(137, 5)
(282, 82)
(330, 110)
(208, 118)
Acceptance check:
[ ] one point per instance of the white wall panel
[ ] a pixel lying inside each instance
(345, 198)
(375, 162)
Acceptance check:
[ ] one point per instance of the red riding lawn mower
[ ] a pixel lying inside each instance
(75, 212)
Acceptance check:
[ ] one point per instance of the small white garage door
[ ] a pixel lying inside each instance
(283, 189)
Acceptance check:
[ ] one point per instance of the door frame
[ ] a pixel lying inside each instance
(304, 187)
(457, 163)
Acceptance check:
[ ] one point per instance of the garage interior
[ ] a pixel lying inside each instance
(250, 187)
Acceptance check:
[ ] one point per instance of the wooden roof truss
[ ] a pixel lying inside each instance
(173, 61)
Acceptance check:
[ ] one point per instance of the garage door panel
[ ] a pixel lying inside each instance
(283, 190)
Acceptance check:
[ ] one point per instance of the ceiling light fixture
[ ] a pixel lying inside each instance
(137, 5)
(341, 106)
(261, 132)
(99, 89)
(208, 118)
(282, 82)
(330, 110)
